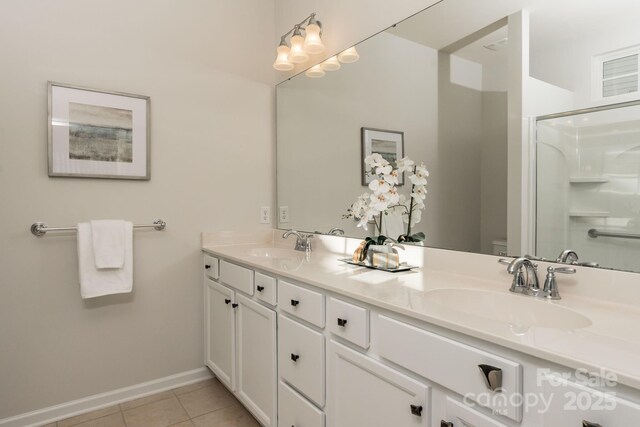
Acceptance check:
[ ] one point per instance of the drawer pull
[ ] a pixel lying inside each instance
(234, 305)
(342, 322)
(444, 423)
(207, 267)
(416, 410)
(295, 302)
(295, 357)
(492, 377)
(586, 423)
(260, 288)
(227, 301)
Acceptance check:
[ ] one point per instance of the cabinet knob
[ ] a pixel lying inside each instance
(342, 322)
(207, 267)
(416, 410)
(260, 288)
(227, 301)
(295, 357)
(234, 305)
(444, 423)
(586, 423)
(295, 302)
(492, 377)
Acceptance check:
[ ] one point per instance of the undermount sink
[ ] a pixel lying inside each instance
(520, 312)
(274, 253)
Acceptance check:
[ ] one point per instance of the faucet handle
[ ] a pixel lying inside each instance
(504, 261)
(550, 290)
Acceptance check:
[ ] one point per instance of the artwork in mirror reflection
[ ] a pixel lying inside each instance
(467, 104)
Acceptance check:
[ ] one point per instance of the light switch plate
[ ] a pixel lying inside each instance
(265, 215)
(284, 214)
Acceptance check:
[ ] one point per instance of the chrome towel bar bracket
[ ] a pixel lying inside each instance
(39, 229)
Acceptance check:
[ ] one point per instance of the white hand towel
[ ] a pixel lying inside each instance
(95, 282)
(108, 243)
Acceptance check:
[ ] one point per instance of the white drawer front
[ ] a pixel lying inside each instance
(211, 267)
(237, 277)
(451, 364)
(572, 404)
(266, 288)
(295, 410)
(460, 415)
(301, 302)
(301, 358)
(348, 321)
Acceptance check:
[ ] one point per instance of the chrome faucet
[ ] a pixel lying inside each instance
(303, 242)
(525, 278)
(335, 231)
(568, 256)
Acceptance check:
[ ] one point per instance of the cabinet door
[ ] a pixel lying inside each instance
(363, 392)
(575, 405)
(257, 379)
(220, 332)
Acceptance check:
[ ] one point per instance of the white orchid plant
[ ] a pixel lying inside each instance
(385, 199)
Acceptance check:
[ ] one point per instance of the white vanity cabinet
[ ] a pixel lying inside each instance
(298, 355)
(240, 342)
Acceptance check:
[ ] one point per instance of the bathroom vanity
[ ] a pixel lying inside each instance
(306, 340)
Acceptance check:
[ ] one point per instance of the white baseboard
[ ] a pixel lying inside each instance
(103, 400)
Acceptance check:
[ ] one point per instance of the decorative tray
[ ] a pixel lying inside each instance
(402, 267)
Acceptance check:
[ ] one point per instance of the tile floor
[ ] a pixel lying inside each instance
(203, 404)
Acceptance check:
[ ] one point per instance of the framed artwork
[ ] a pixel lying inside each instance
(97, 134)
(388, 143)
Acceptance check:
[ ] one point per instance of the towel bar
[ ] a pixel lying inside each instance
(40, 228)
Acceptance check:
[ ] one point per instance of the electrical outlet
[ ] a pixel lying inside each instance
(265, 215)
(284, 214)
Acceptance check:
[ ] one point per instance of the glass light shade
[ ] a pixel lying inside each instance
(315, 72)
(331, 64)
(282, 60)
(312, 42)
(348, 56)
(297, 54)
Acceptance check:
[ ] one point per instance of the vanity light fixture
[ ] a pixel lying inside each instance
(348, 56)
(315, 72)
(300, 47)
(331, 64)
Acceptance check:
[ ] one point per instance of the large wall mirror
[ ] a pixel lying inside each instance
(524, 113)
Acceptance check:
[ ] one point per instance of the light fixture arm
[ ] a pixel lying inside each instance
(311, 19)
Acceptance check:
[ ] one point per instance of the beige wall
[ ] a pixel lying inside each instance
(206, 66)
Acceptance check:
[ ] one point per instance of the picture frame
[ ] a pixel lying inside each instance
(95, 133)
(389, 143)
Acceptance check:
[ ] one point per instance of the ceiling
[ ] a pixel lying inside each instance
(552, 21)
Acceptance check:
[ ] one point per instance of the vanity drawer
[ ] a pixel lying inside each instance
(237, 277)
(301, 302)
(348, 321)
(211, 267)
(301, 358)
(266, 288)
(294, 410)
(461, 415)
(454, 365)
(572, 404)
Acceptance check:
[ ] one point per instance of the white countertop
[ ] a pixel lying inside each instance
(611, 342)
